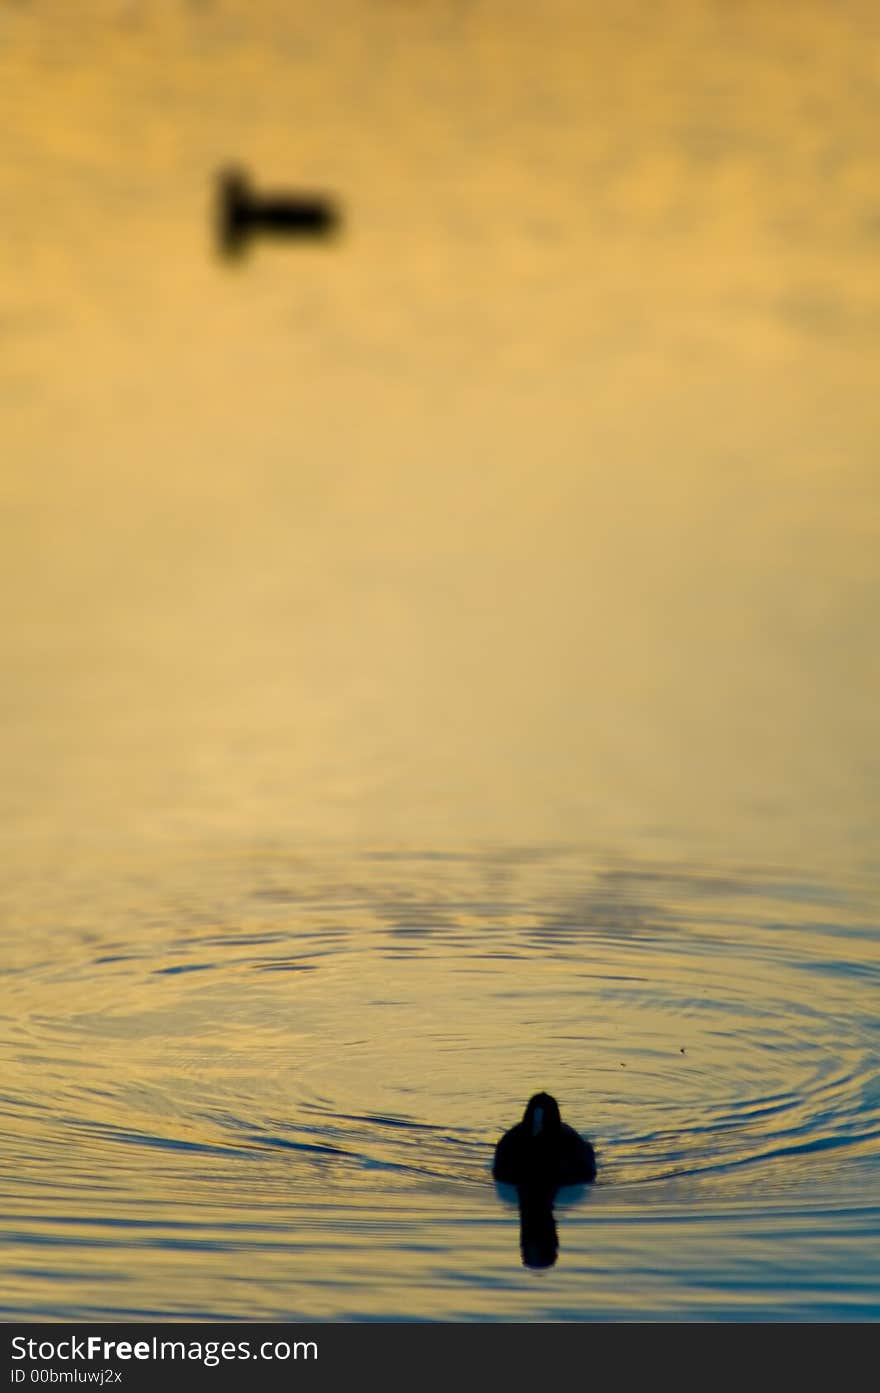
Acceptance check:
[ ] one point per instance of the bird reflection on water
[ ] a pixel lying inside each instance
(539, 1155)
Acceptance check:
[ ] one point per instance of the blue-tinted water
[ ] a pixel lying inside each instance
(270, 1085)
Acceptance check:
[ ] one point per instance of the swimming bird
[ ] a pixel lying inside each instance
(542, 1152)
(241, 213)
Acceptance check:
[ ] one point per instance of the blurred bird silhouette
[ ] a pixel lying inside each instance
(241, 213)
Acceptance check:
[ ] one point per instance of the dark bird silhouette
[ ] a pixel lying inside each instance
(543, 1150)
(539, 1155)
(242, 213)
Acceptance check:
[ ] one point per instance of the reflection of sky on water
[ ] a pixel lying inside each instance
(265, 1083)
(545, 504)
(541, 511)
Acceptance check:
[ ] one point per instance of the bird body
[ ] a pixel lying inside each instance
(542, 1152)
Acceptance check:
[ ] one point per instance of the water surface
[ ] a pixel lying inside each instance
(442, 664)
(271, 1088)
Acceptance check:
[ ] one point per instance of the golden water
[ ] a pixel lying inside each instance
(441, 663)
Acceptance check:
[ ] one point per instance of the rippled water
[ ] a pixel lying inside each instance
(272, 1086)
(443, 664)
